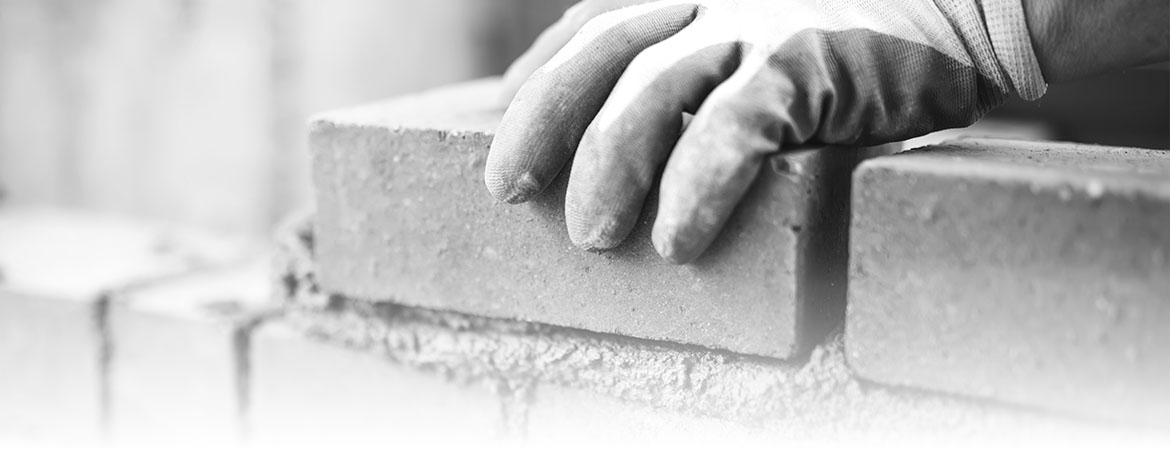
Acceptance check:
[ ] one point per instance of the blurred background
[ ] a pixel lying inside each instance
(195, 111)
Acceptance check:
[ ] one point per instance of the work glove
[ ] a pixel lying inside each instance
(759, 76)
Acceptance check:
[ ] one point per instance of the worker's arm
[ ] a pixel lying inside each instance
(1078, 38)
(606, 88)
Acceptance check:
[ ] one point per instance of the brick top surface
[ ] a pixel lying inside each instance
(1040, 162)
(231, 292)
(472, 107)
(79, 256)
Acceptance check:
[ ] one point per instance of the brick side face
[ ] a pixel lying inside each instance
(403, 216)
(310, 393)
(51, 360)
(558, 414)
(178, 370)
(1033, 273)
(154, 393)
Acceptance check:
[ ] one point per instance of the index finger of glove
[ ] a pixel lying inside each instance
(541, 128)
(552, 39)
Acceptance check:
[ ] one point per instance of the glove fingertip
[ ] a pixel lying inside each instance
(517, 190)
(674, 250)
(596, 235)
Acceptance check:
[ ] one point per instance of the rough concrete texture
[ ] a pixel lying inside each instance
(58, 268)
(309, 394)
(554, 380)
(178, 366)
(1028, 272)
(403, 216)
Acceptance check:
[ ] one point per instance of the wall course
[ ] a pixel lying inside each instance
(59, 269)
(557, 381)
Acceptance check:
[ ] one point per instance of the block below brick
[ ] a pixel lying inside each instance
(403, 216)
(51, 357)
(306, 394)
(1028, 272)
(559, 414)
(56, 270)
(178, 364)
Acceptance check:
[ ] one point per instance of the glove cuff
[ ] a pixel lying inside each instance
(997, 39)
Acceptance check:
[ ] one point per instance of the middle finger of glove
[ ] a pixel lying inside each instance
(627, 144)
(543, 125)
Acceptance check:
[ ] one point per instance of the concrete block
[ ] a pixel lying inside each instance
(51, 356)
(58, 268)
(559, 414)
(1035, 273)
(403, 216)
(309, 393)
(178, 367)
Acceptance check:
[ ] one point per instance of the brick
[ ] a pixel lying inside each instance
(403, 216)
(559, 414)
(306, 393)
(57, 269)
(168, 333)
(1028, 272)
(51, 355)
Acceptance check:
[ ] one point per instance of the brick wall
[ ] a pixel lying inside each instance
(999, 293)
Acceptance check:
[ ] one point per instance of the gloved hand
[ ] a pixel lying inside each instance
(760, 76)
